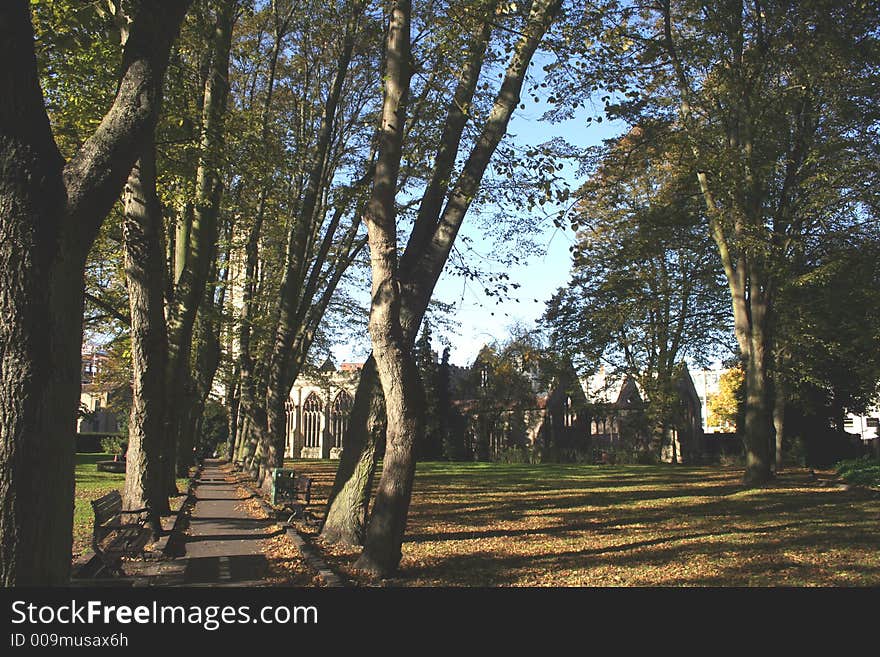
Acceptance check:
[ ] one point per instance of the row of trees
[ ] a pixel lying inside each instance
(253, 149)
(754, 139)
(215, 209)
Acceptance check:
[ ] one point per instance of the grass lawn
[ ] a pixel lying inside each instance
(92, 484)
(480, 524)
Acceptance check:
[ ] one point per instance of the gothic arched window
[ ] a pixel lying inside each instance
(313, 409)
(568, 413)
(339, 413)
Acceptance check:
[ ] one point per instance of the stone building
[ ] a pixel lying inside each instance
(618, 409)
(517, 400)
(503, 402)
(94, 414)
(318, 409)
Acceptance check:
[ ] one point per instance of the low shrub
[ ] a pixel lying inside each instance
(625, 456)
(513, 455)
(863, 471)
(535, 455)
(116, 445)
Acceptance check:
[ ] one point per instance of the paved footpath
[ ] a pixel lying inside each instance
(221, 546)
(223, 541)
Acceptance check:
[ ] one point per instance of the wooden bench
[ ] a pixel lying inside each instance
(292, 491)
(113, 539)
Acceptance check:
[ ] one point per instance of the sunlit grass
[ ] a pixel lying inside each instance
(481, 524)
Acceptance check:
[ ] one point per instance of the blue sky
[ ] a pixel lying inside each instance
(542, 273)
(480, 319)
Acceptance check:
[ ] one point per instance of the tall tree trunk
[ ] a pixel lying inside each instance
(145, 274)
(296, 265)
(779, 417)
(247, 384)
(395, 364)
(433, 236)
(749, 283)
(207, 355)
(231, 400)
(50, 213)
(36, 453)
(758, 415)
(203, 234)
(347, 507)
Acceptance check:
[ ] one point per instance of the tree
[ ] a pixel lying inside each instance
(300, 306)
(772, 106)
(451, 443)
(778, 114)
(395, 365)
(431, 447)
(244, 369)
(50, 212)
(725, 407)
(442, 206)
(302, 153)
(145, 275)
(827, 341)
(196, 241)
(646, 290)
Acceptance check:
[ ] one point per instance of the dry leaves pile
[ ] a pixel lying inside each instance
(286, 565)
(477, 524)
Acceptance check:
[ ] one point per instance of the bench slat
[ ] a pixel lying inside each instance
(107, 507)
(293, 491)
(111, 538)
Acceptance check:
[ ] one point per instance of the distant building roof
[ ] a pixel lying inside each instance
(351, 367)
(475, 405)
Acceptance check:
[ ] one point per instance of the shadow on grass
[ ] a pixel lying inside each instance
(668, 560)
(496, 524)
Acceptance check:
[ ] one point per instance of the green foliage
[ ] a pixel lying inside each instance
(116, 445)
(864, 471)
(773, 107)
(214, 428)
(829, 352)
(646, 289)
(79, 54)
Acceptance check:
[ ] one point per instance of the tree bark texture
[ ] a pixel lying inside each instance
(779, 418)
(50, 213)
(145, 279)
(348, 504)
(758, 416)
(398, 373)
